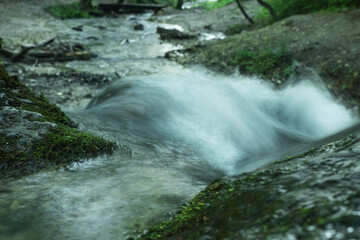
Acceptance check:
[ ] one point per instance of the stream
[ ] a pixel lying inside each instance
(179, 129)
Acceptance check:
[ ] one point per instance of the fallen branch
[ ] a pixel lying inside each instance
(24, 49)
(62, 57)
(56, 52)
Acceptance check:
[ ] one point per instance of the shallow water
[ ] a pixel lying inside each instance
(179, 128)
(120, 48)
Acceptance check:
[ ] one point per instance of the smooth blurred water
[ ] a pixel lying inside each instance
(179, 130)
(227, 120)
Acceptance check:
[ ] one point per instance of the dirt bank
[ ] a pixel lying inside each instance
(326, 42)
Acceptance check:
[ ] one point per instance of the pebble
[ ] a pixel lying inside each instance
(139, 27)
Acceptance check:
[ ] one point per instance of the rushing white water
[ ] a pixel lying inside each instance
(229, 120)
(184, 128)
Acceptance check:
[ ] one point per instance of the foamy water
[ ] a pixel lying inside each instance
(182, 129)
(228, 119)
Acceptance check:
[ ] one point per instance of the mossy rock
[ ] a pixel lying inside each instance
(305, 197)
(36, 134)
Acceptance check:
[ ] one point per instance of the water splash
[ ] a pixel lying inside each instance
(229, 120)
(185, 128)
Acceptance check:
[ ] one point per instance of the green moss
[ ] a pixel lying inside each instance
(61, 145)
(35, 103)
(273, 202)
(334, 146)
(267, 62)
(206, 206)
(3, 73)
(348, 77)
(209, 6)
(64, 145)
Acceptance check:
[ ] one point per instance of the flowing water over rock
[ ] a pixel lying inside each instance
(179, 130)
(228, 121)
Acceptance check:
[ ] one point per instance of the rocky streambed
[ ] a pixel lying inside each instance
(283, 169)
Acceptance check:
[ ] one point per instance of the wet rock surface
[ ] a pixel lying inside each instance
(312, 196)
(22, 124)
(67, 89)
(121, 50)
(168, 34)
(36, 134)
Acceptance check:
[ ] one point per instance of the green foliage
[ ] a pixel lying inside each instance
(73, 10)
(264, 16)
(290, 71)
(286, 8)
(208, 6)
(268, 62)
(166, 2)
(218, 4)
